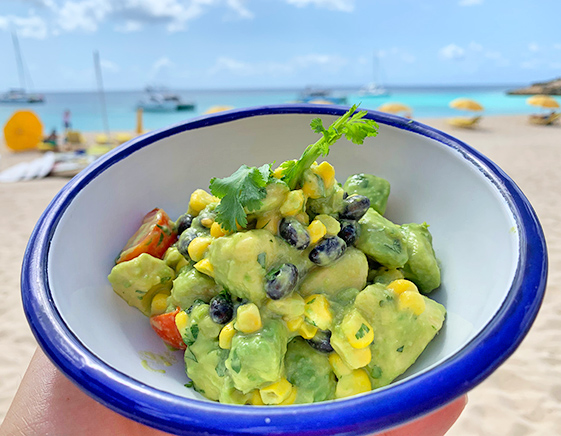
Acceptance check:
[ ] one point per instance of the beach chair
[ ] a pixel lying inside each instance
(75, 138)
(544, 120)
(464, 122)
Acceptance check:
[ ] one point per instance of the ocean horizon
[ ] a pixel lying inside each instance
(87, 114)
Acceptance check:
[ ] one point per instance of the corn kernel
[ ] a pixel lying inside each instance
(159, 304)
(327, 173)
(332, 226)
(291, 398)
(411, 300)
(317, 230)
(401, 285)
(181, 321)
(294, 324)
(317, 311)
(199, 200)
(256, 399)
(303, 218)
(270, 222)
(207, 222)
(226, 335)
(248, 319)
(357, 330)
(353, 357)
(339, 367)
(216, 230)
(204, 266)
(198, 247)
(291, 306)
(354, 383)
(277, 392)
(293, 204)
(307, 331)
(278, 173)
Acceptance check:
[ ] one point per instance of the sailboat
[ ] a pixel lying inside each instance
(19, 95)
(373, 89)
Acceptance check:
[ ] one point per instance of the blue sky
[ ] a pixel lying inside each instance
(201, 44)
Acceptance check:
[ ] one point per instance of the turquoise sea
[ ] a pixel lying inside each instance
(86, 107)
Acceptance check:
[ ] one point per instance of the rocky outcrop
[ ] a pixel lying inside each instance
(552, 87)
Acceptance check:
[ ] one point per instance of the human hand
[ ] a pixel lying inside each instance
(48, 403)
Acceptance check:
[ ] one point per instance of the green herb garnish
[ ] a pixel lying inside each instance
(242, 190)
(362, 331)
(355, 129)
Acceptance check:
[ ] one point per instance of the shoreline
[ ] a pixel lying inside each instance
(522, 397)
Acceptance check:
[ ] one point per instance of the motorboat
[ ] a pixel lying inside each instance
(161, 100)
(320, 96)
(18, 96)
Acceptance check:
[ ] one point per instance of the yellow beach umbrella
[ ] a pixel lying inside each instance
(395, 108)
(23, 131)
(466, 104)
(215, 109)
(544, 101)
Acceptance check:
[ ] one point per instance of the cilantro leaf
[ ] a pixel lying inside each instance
(239, 192)
(352, 125)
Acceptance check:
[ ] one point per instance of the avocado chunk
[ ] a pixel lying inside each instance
(256, 359)
(331, 204)
(349, 271)
(241, 262)
(382, 240)
(422, 267)
(204, 359)
(205, 367)
(137, 280)
(310, 371)
(400, 336)
(191, 285)
(375, 188)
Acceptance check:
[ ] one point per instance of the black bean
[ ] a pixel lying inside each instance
(293, 232)
(321, 341)
(281, 281)
(328, 250)
(183, 223)
(349, 231)
(185, 239)
(354, 207)
(221, 308)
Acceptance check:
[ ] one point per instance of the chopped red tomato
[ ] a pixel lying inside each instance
(154, 237)
(164, 326)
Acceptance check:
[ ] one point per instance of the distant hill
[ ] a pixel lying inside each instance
(552, 87)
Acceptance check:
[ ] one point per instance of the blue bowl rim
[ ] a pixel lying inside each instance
(368, 413)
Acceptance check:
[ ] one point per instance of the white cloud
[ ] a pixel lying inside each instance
(337, 5)
(557, 46)
(497, 57)
(452, 52)
(474, 46)
(470, 2)
(533, 47)
(159, 67)
(126, 15)
(531, 64)
(27, 27)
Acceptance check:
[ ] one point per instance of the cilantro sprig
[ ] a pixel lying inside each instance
(244, 190)
(352, 125)
(239, 192)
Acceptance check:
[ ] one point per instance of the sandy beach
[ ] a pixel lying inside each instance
(522, 398)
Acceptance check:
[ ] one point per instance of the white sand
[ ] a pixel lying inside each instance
(522, 398)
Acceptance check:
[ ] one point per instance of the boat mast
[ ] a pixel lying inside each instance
(19, 61)
(101, 93)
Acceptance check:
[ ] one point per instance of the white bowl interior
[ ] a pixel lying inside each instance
(473, 228)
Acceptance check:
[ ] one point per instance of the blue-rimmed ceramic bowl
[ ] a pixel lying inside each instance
(486, 235)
